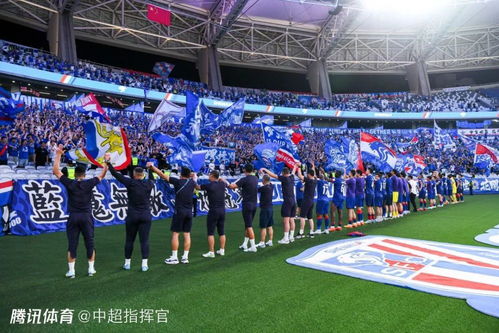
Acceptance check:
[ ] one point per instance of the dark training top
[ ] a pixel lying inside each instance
(216, 194)
(288, 186)
(310, 185)
(249, 188)
(139, 191)
(80, 194)
(266, 195)
(184, 188)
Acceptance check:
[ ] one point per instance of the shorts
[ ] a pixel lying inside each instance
(389, 199)
(307, 209)
(378, 201)
(266, 217)
(395, 197)
(338, 202)
(249, 211)
(299, 202)
(350, 202)
(431, 195)
(216, 220)
(322, 207)
(369, 200)
(80, 223)
(422, 195)
(288, 209)
(359, 201)
(182, 221)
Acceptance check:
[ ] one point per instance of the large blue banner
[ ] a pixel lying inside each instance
(40, 206)
(219, 155)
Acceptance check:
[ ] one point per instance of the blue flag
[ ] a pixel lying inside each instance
(9, 108)
(269, 120)
(266, 157)
(336, 155)
(183, 154)
(283, 140)
(211, 121)
(192, 121)
(233, 115)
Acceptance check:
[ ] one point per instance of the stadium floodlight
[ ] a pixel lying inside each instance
(406, 7)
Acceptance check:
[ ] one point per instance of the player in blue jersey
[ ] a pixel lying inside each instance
(360, 184)
(338, 199)
(378, 197)
(322, 208)
(371, 216)
(430, 188)
(422, 192)
(350, 199)
(299, 188)
(307, 207)
(407, 192)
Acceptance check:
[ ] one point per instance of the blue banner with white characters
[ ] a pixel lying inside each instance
(219, 155)
(39, 205)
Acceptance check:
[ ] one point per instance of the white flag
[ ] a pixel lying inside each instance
(165, 110)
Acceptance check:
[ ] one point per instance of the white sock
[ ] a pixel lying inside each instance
(245, 243)
(186, 255)
(286, 237)
(144, 263)
(128, 261)
(91, 265)
(252, 242)
(71, 266)
(291, 233)
(174, 254)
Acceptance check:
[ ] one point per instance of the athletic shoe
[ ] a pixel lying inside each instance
(283, 241)
(91, 272)
(291, 239)
(261, 245)
(311, 234)
(209, 255)
(251, 249)
(184, 260)
(269, 243)
(243, 247)
(338, 228)
(171, 261)
(349, 226)
(126, 267)
(145, 268)
(318, 232)
(326, 231)
(355, 225)
(299, 236)
(221, 252)
(70, 275)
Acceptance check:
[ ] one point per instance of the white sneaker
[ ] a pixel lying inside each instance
(291, 239)
(221, 252)
(318, 232)
(145, 268)
(91, 272)
(326, 231)
(251, 249)
(261, 245)
(70, 275)
(269, 243)
(283, 241)
(171, 261)
(243, 247)
(126, 267)
(209, 255)
(184, 260)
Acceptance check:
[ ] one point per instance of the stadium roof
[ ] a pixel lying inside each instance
(449, 35)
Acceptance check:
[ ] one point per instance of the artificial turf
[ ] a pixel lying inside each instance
(241, 292)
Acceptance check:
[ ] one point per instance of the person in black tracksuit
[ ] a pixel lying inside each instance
(80, 192)
(139, 217)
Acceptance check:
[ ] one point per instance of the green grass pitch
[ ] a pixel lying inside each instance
(241, 292)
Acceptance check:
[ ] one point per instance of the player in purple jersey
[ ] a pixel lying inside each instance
(322, 207)
(378, 196)
(422, 193)
(350, 198)
(360, 184)
(370, 195)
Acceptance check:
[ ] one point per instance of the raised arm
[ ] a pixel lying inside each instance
(299, 174)
(161, 175)
(103, 172)
(56, 170)
(119, 177)
(268, 172)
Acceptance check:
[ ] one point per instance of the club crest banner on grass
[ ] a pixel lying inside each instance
(490, 237)
(459, 271)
